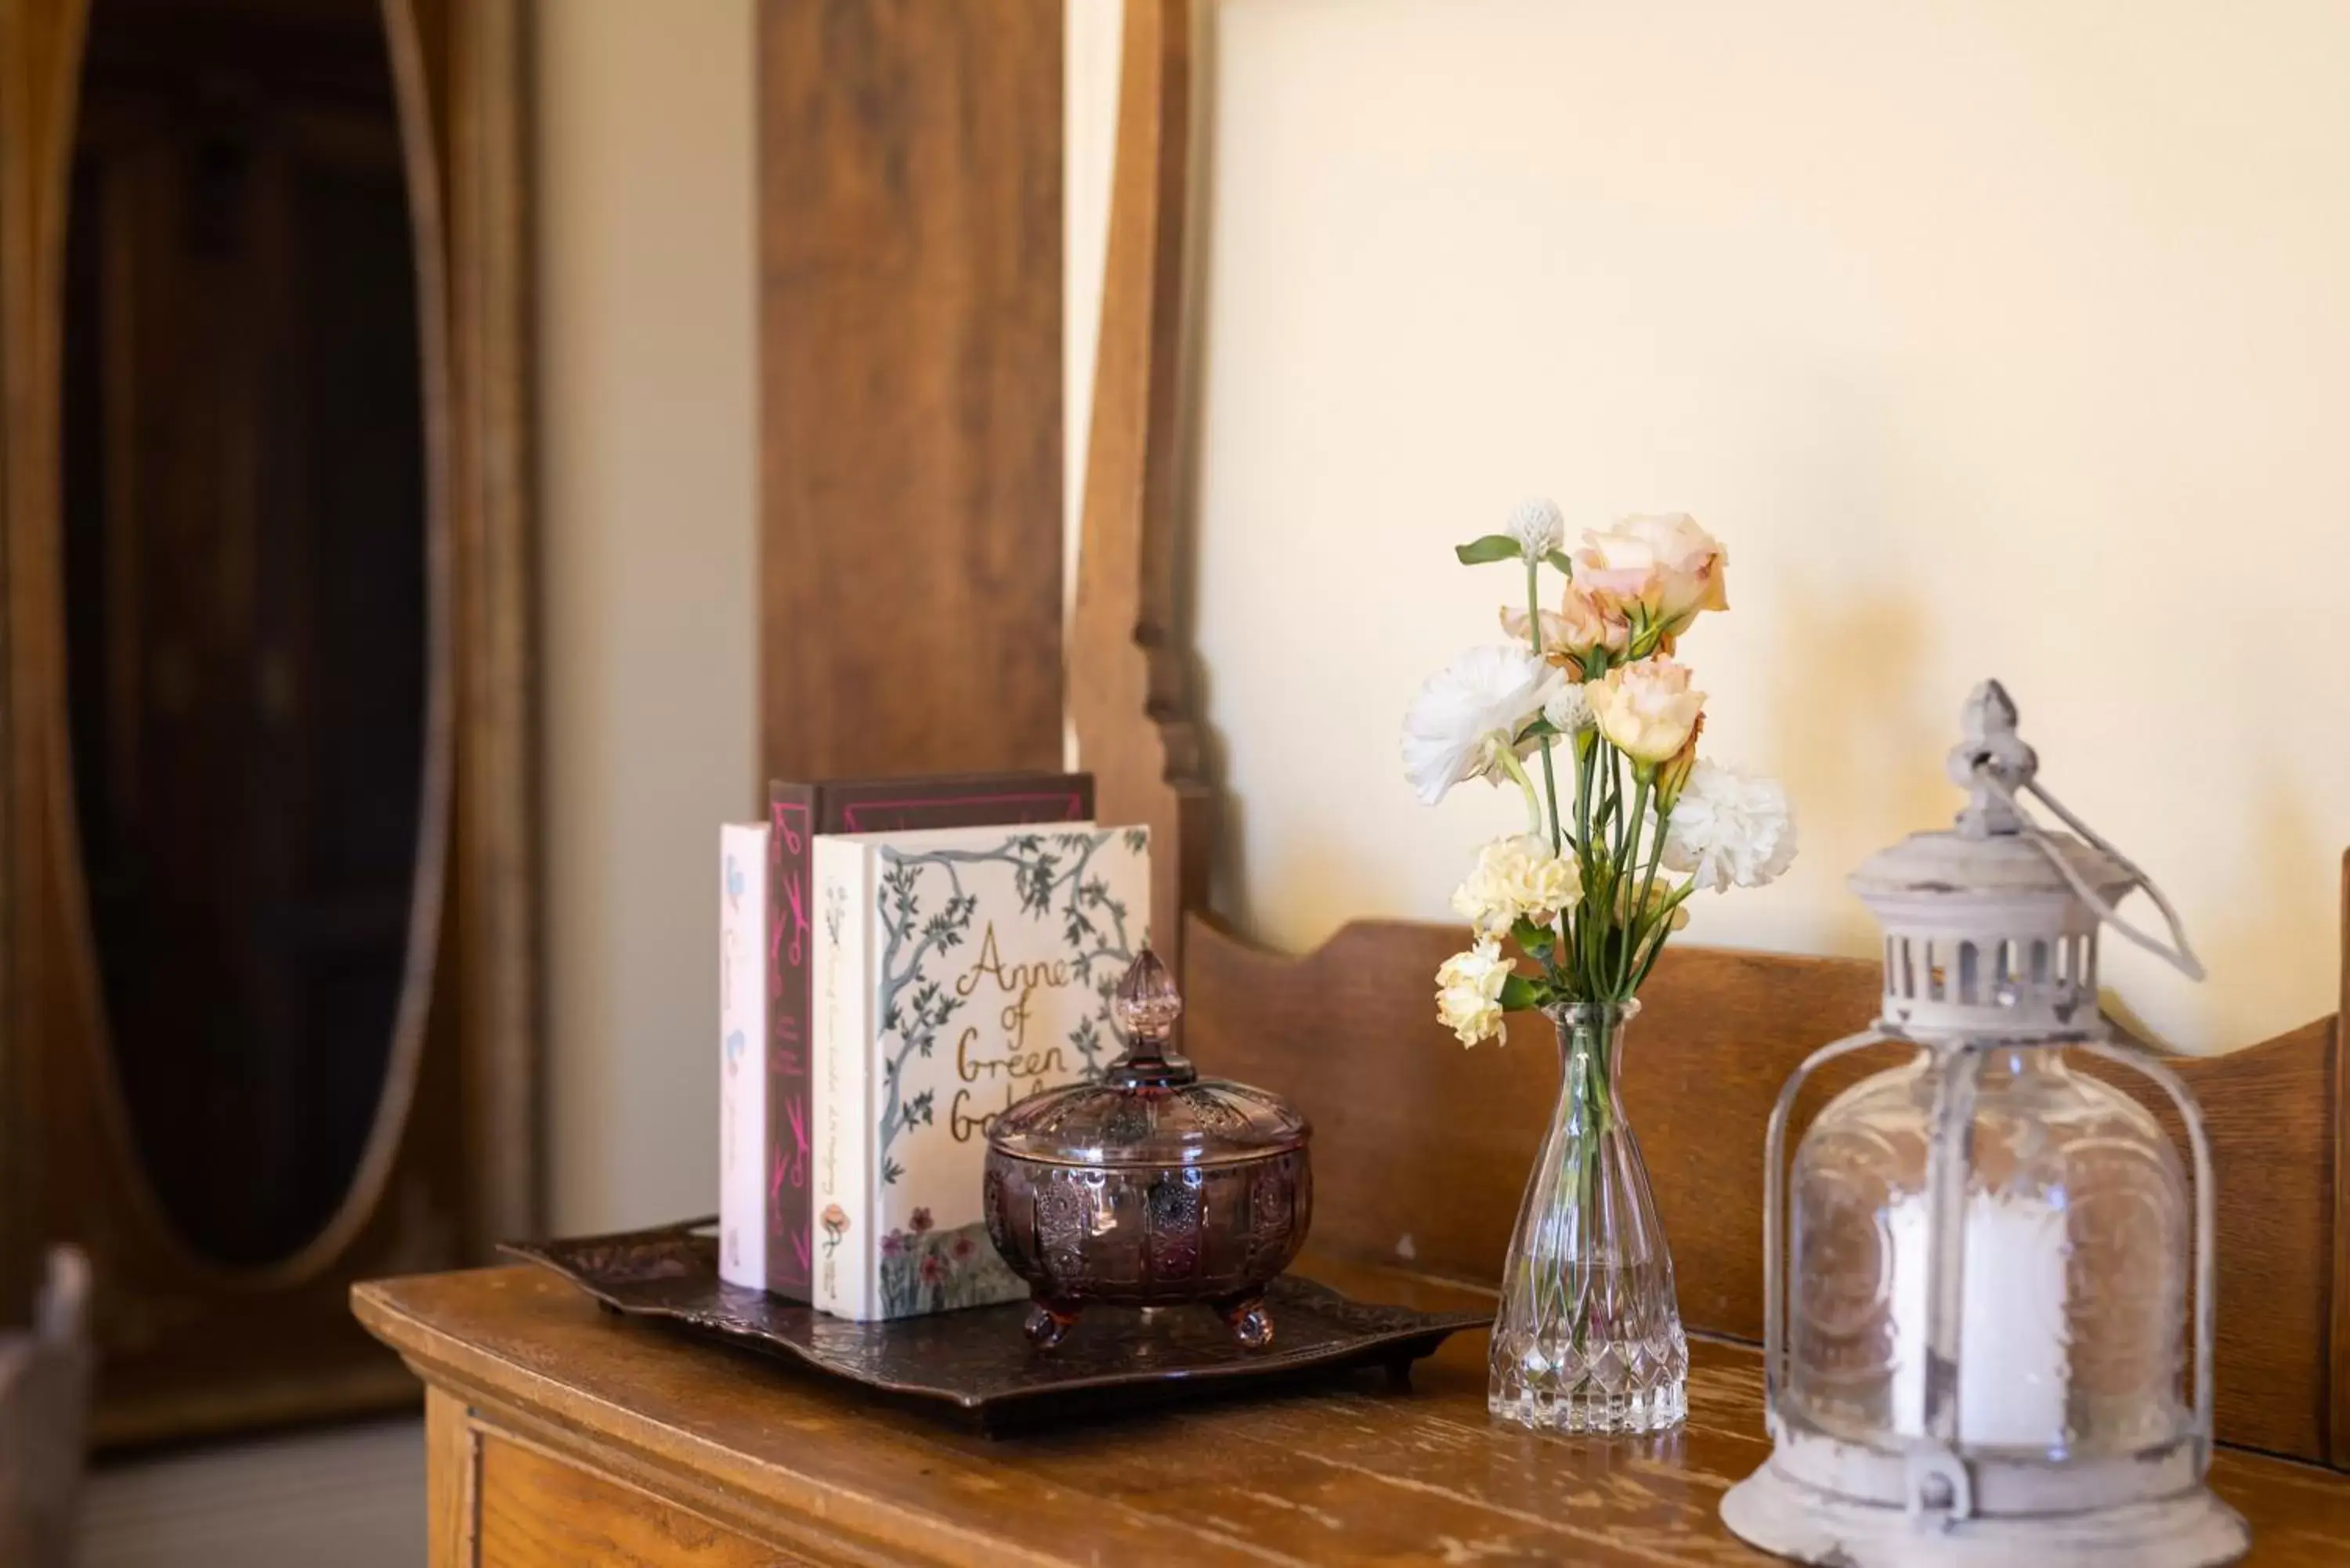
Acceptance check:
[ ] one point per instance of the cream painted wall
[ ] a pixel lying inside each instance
(1996, 337)
(646, 311)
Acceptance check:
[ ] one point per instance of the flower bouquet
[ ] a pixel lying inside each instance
(1587, 712)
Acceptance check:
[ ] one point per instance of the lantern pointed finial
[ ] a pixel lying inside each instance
(1991, 746)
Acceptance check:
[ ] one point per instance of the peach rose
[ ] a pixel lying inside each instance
(1646, 709)
(1581, 623)
(1667, 566)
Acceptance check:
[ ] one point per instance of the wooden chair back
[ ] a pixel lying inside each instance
(1420, 1151)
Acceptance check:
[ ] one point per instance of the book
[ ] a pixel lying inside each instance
(741, 1030)
(797, 813)
(957, 972)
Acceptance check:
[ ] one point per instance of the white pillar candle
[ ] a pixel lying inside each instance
(2011, 1337)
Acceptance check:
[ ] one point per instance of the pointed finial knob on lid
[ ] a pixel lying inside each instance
(1991, 746)
(1147, 1003)
(1146, 1008)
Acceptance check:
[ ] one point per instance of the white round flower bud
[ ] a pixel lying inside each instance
(1537, 526)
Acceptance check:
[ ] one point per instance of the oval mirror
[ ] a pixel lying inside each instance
(245, 593)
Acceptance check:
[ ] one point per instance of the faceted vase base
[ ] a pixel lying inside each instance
(1656, 1410)
(1624, 1386)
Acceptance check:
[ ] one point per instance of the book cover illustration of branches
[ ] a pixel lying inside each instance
(994, 960)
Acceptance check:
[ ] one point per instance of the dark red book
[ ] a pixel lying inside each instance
(796, 813)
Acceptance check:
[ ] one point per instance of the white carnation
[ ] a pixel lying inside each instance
(1730, 828)
(1537, 526)
(1469, 714)
(1569, 709)
(1468, 991)
(1517, 877)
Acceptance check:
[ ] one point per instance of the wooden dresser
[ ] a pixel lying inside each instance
(559, 1434)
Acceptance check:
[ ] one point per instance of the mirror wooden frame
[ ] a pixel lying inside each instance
(189, 1345)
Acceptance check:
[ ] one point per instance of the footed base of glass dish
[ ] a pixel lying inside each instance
(1590, 1408)
(1248, 1317)
(2192, 1530)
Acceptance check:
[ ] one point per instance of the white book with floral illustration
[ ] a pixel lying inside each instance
(956, 972)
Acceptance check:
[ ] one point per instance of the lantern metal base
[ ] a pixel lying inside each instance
(2191, 1529)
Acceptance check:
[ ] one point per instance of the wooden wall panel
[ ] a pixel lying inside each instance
(910, 345)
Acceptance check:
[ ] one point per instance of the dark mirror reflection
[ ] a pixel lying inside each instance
(245, 580)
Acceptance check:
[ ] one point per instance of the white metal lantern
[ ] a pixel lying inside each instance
(1978, 1268)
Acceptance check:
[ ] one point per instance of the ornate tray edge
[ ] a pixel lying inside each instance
(1393, 1346)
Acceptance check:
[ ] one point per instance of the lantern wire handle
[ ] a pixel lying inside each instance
(2177, 953)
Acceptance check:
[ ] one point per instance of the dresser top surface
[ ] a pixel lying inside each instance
(1344, 1469)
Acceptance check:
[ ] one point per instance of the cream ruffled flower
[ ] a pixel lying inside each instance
(1667, 565)
(1646, 709)
(1468, 991)
(1517, 877)
(1730, 829)
(1468, 717)
(1537, 526)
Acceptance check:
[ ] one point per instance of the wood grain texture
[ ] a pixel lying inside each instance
(1129, 671)
(192, 1346)
(1350, 1032)
(540, 1512)
(451, 1481)
(910, 338)
(40, 50)
(1345, 1471)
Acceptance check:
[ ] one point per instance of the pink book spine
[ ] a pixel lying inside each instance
(791, 841)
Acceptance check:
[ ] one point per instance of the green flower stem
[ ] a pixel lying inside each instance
(1533, 630)
(1663, 933)
(1589, 1108)
(1627, 870)
(1664, 925)
(1511, 765)
(1584, 749)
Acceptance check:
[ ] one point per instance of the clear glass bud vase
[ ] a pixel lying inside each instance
(1588, 1337)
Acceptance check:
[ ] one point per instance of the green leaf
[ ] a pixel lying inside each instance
(1558, 558)
(1518, 993)
(1491, 548)
(1537, 729)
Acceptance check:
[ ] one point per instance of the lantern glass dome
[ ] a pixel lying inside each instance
(2075, 1232)
(1989, 1267)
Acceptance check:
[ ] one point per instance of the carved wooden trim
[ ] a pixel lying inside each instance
(1129, 697)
